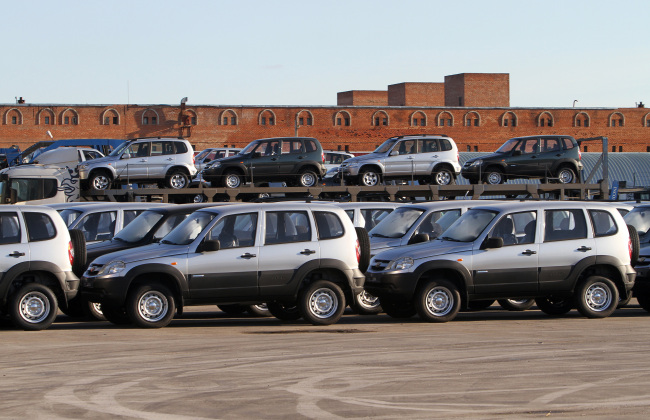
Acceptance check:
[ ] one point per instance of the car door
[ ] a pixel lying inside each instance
(512, 269)
(264, 161)
(550, 152)
(162, 157)
(524, 158)
(289, 243)
(565, 244)
(133, 162)
(14, 248)
(403, 162)
(230, 272)
(291, 156)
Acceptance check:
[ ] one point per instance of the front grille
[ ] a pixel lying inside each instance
(379, 265)
(93, 269)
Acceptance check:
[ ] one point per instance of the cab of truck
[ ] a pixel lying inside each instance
(38, 184)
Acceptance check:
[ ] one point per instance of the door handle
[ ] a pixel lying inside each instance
(248, 255)
(435, 156)
(170, 159)
(301, 157)
(529, 252)
(307, 252)
(17, 254)
(143, 160)
(274, 158)
(584, 249)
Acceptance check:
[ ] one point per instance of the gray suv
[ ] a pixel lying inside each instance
(564, 255)
(167, 161)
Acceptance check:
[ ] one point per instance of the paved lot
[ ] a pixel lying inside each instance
(487, 364)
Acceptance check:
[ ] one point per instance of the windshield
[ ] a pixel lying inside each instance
(385, 146)
(189, 229)
(396, 224)
(248, 149)
(639, 217)
(201, 155)
(139, 227)
(69, 216)
(469, 226)
(507, 146)
(119, 149)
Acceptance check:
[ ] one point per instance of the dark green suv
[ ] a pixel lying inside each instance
(555, 158)
(296, 160)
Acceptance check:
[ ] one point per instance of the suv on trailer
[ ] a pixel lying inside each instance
(296, 160)
(425, 158)
(564, 255)
(168, 161)
(556, 158)
(300, 259)
(37, 259)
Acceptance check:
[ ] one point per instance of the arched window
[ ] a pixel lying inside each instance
(304, 117)
(228, 117)
(380, 118)
(445, 119)
(646, 120)
(509, 119)
(545, 119)
(616, 119)
(418, 118)
(46, 117)
(266, 117)
(110, 117)
(13, 116)
(342, 118)
(69, 117)
(581, 119)
(150, 117)
(472, 118)
(189, 117)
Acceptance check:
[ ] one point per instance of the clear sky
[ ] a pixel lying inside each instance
(286, 52)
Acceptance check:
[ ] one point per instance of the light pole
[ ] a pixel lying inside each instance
(574, 102)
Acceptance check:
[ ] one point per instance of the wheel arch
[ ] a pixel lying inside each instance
(41, 272)
(109, 171)
(456, 273)
(158, 273)
(607, 269)
(174, 168)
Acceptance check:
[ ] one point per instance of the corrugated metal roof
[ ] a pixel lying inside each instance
(633, 168)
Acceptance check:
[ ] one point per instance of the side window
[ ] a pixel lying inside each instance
(374, 216)
(551, 145)
(98, 226)
(33, 188)
(445, 145)
(529, 146)
(286, 227)
(235, 231)
(129, 215)
(9, 228)
(180, 147)
(49, 187)
(138, 150)
(310, 146)
(39, 227)
(516, 228)
(329, 225)
(564, 224)
(429, 146)
(603, 223)
(291, 146)
(270, 148)
(568, 144)
(406, 147)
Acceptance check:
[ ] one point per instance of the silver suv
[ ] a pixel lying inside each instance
(167, 161)
(564, 255)
(37, 258)
(301, 259)
(423, 158)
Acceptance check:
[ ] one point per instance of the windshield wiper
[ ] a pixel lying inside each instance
(379, 235)
(165, 241)
(449, 238)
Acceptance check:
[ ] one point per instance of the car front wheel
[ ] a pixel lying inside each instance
(438, 301)
(369, 178)
(493, 176)
(151, 306)
(232, 180)
(99, 181)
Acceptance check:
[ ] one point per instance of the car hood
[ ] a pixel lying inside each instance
(101, 161)
(378, 244)
(365, 158)
(491, 156)
(106, 247)
(425, 250)
(143, 253)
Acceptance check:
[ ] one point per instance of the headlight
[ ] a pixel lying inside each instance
(402, 263)
(478, 162)
(113, 267)
(84, 166)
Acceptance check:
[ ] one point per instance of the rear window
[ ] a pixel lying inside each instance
(445, 145)
(603, 223)
(568, 143)
(310, 146)
(329, 225)
(39, 227)
(9, 228)
(180, 147)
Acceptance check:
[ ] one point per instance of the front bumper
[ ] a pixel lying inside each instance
(111, 290)
(390, 284)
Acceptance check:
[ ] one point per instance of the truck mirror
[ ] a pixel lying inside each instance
(492, 242)
(210, 245)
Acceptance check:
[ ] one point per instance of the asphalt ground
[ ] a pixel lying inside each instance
(489, 364)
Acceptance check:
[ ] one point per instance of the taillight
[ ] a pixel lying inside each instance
(579, 154)
(357, 248)
(70, 252)
(629, 247)
(322, 156)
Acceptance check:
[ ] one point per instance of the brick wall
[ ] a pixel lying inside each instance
(416, 94)
(362, 98)
(478, 89)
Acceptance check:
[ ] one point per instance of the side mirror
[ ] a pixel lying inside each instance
(125, 156)
(516, 153)
(257, 155)
(210, 245)
(492, 242)
(420, 237)
(394, 153)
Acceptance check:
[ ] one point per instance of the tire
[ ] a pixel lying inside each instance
(75, 308)
(437, 301)
(398, 310)
(115, 314)
(232, 179)
(493, 176)
(307, 178)
(369, 178)
(94, 311)
(366, 304)
(516, 304)
(644, 301)
(554, 306)
(33, 307)
(636, 245)
(261, 310)
(596, 297)
(151, 306)
(321, 302)
(79, 255)
(623, 302)
(234, 309)
(198, 198)
(283, 312)
(99, 181)
(177, 180)
(364, 248)
(443, 176)
(479, 305)
(565, 175)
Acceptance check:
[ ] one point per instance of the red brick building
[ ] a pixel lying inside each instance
(474, 109)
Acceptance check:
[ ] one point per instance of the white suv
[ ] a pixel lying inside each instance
(168, 161)
(37, 257)
(423, 158)
(300, 259)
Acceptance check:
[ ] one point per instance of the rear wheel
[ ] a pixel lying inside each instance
(321, 303)
(566, 175)
(307, 178)
(554, 306)
(437, 301)
(443, 176)
(115, 314)
(177, 180)
(258, 310)
(33, 307)
(596, 297)
(398, 309)
(233, 309)
(516, 304)
(283, 312)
